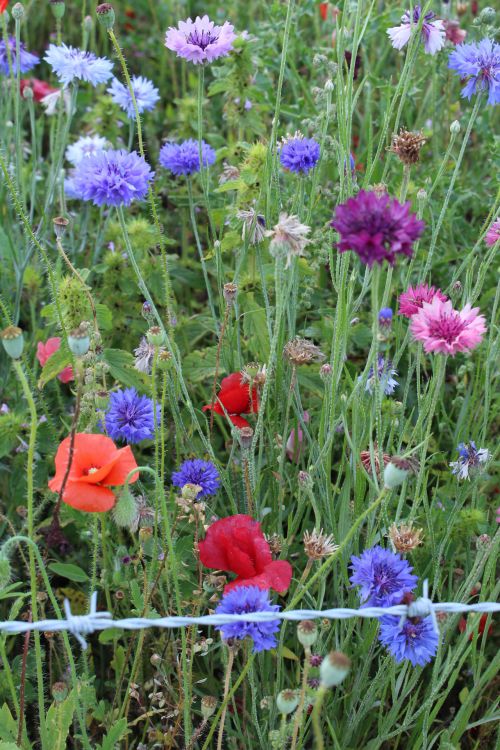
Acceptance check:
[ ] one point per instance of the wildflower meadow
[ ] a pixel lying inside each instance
(249, 404)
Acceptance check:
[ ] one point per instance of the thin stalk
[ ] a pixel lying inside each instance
(227, 683)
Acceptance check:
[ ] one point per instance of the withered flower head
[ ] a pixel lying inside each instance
(302, 352)
(245, 436)
(411, 463)
(254, 373)
(318, 545)
(405, 538)
(407, 146)
(229, 173)
(275, 543)
(230, 291)
(254, 226)
(366, 460)
(288, 237)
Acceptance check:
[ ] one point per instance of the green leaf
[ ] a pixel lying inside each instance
(69, 571)
(55, 364)
(109, 635)
(114, 735)
(121, 367)
(104, 317)
(200, 364)
(255, 327)
(58, 722)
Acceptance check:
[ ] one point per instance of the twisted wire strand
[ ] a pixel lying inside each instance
(83, 625)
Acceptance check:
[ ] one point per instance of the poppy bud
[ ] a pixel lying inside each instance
(57, 7)
(307, 633)
(79, 341)
(208, 706)
(59, 691)
(105, 15)
(125, 509)
(5, 571)
(287, 701)
(334, 669)
(13, 341)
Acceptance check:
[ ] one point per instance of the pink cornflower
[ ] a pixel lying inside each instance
(45, 352)
(411, 301)
(201, 40)
(493, 233)
(443, 329)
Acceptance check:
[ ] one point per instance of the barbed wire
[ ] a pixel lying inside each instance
(83, 625)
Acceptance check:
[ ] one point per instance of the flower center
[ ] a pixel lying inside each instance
(202, 38)
(448, 327)
(92, 470)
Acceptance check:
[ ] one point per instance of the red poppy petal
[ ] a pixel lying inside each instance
(100, 476)
(90, 498)
(261, 581)
(120, 470)
(279, 575)
(238, 422)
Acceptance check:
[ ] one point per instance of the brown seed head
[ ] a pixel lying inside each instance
(302, 352)
(318, 545)
(407, 146)
(405, 538)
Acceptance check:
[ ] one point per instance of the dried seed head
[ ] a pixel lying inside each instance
(230, 291)
(380, 189)
(208, 706)
(245, 435)
(407, 146)
(410, 464)
(287, 701)
(254, 373)
(275, 543)
(302, 352)
(334, 669)
(366, 460)
(60, 225)
(405, 538)
(13, 341)
(318, 545)
(229, 173)
(307, 633)
(288, 237)
(254, 226)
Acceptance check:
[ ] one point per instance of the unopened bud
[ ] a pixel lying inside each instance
(155, 336)
(394, 476)
(59, 691)
(105, 15)
(455, 127)
(28, 93)
(125, 509)
(57, 7)
(334, 669)
(487, 16)
(18, 11)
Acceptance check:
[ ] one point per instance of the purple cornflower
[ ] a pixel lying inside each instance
(299, 154)
(146, 95)
(27, 60)
(184, 158)
(433, 31)
(481, 63)
(415, 640)
(242, 600)
(113, 178)
(384, 577)
(196, 471)
(130, 416)
(200, 40)
(376, 227)
(385, 318)
(469, 459)
(69, 63)
(384, 373)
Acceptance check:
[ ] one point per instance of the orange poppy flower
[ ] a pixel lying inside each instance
(97, 465)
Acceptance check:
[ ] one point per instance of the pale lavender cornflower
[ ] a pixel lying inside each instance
(144, 355)
(27, 60)
(469, 460)
(85, 146)
(384, 374)
(254, 226)
(433, 31)
(113, 178)
(69, 63)
(145, 92)
(480, 62)
(200, 41)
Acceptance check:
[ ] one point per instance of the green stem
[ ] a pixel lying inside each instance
(315, 718)
(17, 110)
(200, 252)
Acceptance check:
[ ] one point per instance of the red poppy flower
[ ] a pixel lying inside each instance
(234, 398)
(478, 629)
(238, 545)
(3, 5)
(40, 88)
(97, 465)
(45, 351)
(323, 9)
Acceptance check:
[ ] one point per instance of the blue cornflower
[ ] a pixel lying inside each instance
(146, 95)
(384, 373)
(196, 471)
(480, 61)
(415, 640)
(69, 63)
(385, 318)
(299, 154)
(27, 60)
(113, 178)
(469, 459)
(245, 599)
(184, 158)
(130, 416)
(384, 577)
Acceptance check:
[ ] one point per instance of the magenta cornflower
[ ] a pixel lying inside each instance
(411, 301)
(442, 329)
(493, 233)
(201, 40)
(376, 227)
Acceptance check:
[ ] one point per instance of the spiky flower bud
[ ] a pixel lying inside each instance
(287, 701)
(13, 341)
(105, 15)
(5, 571)
(334, 669)
(208, 706)
(125, 509)
(307, 633)
(407, 146)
